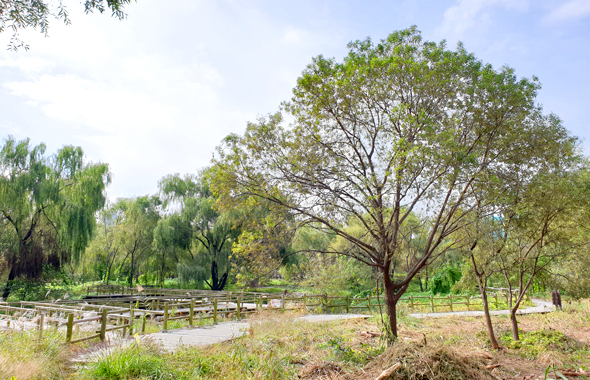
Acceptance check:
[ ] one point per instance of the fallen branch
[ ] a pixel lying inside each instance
(492, 366)
(389, 371)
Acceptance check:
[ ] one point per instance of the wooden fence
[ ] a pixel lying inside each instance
(117, 308)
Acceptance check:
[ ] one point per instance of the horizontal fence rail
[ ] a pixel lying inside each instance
(114, 308)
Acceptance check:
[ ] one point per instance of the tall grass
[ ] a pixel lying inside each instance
(24, 356)
(275, 347)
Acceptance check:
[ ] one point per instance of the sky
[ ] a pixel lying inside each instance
(154, 94)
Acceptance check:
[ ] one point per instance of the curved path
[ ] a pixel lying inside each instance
(198, 336)
(220, 332)
(540, 307)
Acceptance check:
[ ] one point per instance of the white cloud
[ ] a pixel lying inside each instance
(572, 10)
(293, 35)
(27, 64)
(474, 14)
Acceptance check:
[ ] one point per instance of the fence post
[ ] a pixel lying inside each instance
(259, 305)
(103, 325)
(143, 324)
(325, 303)
(496, 298)
(191, 313)
(41, 322)
(468, 297)
(369, 303)
(214, 310)
(283, 302)
(70, 327)
(131, 320)
(412, 302)
(238, 308)
(305, 301)
(431, 303)
(165, 317)
(347, 304)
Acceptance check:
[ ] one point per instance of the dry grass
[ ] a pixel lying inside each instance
(20, 370)
(432, 362)
(25, 357)
(279, 347)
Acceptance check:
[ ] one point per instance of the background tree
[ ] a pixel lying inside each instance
(484, 243)
(264, 242)
(171, 237)
(47, 204)
(212, 233)
(20, 14)
(135, 234)
(539, 232)
(397, 125)
(103, 251)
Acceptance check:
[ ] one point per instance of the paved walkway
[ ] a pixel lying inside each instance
(200, 336)
(203, 336)
(540, 307)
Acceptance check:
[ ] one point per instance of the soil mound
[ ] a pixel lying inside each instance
(430, 362)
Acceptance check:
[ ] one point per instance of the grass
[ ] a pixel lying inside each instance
(279, 347)
(274, 348)
(25, 357)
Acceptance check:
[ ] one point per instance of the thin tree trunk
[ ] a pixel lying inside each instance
(486, 312)
(514, 322)
(131, 270)
(484, 298)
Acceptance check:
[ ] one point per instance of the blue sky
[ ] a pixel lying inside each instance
(154, 94)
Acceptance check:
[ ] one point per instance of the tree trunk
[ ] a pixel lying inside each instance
(217, 283)
(420, 282)
(486, 312)
(391, 304)
(514, 323)
(8, 287)
(131, 270)
(484, 299)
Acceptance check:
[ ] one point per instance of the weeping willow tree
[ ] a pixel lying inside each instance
(212, 233)
(47, 205)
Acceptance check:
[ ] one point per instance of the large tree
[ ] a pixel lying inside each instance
(48, 205)
(398, 126)
(21, 14)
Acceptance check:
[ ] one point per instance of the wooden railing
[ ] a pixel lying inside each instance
(121, 313)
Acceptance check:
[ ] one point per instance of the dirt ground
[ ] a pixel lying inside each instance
(552, 346)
